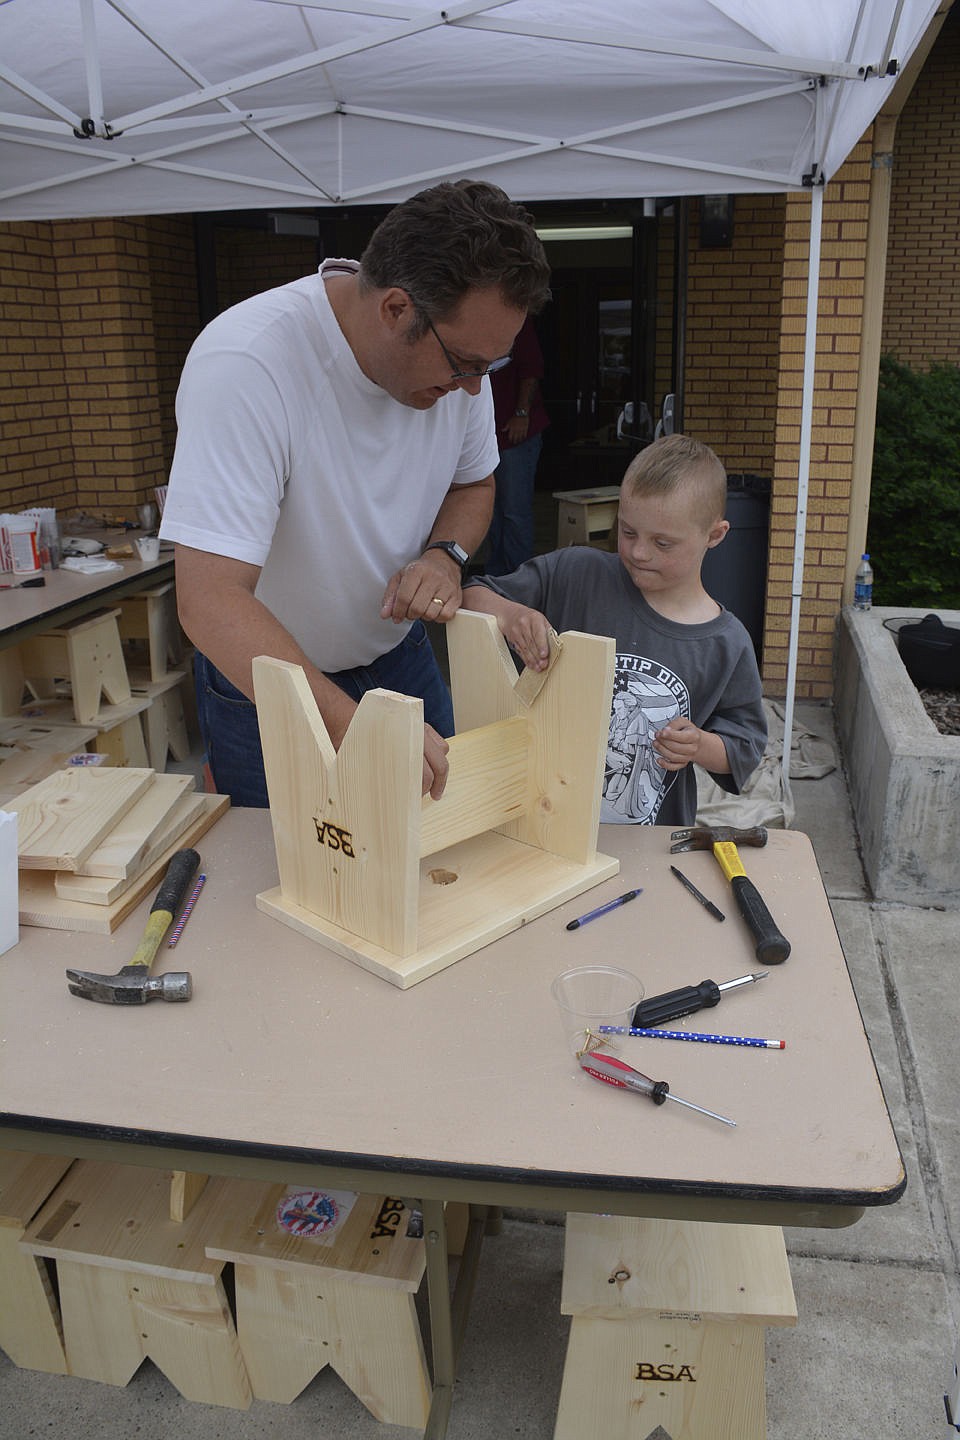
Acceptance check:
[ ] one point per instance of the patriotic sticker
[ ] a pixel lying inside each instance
(307, 1212)
(312, 1213)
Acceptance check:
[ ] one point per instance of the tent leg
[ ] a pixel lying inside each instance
(803, 469)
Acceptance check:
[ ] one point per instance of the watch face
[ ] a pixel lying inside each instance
(452, 548)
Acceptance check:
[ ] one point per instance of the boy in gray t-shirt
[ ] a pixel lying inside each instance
(686, 688)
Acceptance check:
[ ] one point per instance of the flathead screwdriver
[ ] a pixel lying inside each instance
(619, 1073)
(687, 1000)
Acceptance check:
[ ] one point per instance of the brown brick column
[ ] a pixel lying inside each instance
(106, 315)
(842, 271)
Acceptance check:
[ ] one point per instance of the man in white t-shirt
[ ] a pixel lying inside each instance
(334, 468)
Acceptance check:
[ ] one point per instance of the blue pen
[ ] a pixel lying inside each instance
(604, 909)
(752, 1040)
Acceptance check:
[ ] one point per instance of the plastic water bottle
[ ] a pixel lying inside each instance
(863, 585)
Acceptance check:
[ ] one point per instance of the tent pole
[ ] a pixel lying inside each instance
(803, 468)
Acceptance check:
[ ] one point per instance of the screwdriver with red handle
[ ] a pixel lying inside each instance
(617, 1072)
(658, 1009)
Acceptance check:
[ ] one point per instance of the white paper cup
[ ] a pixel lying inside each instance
(591, 996)
(148, 547)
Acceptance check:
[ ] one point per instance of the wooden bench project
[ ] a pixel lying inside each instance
(346, 1301)
(405, 886)
(584, 514)
(135, 1284)
(87, 653)
(667, 1335)
(30, 1330)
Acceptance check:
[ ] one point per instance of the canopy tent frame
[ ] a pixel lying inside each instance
(749, 110)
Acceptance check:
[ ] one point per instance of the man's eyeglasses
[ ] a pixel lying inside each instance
(455, 371)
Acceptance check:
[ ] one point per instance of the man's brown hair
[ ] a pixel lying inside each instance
(459, 236)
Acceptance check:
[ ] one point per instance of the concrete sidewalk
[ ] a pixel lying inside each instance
(879, 1303)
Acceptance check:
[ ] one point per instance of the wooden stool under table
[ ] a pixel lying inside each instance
(667, 1335)
(303, 1304)
(135, 1284)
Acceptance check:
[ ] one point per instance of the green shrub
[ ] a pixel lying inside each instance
(913, 532)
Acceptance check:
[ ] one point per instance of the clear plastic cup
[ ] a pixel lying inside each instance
(594, 995)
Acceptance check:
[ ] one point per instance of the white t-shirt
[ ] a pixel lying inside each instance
(290, 458)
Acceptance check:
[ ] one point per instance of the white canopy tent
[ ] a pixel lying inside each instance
(111, 108)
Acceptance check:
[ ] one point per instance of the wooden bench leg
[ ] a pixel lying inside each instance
(291, 1327)
(29, 1318)
(115, 1319)
(667, 1334)
(689, 1380)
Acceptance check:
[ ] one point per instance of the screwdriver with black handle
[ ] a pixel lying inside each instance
(658, 1009)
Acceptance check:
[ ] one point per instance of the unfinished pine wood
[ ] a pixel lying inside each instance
(514, 835)
(118, 1216)
(38, 735)
(164, 721)
(123, 743)
(722, 1272)
(136, 832)
(12, 682)
(87, 653)
(30, 752)
(151, 615)
(64, 818)
(247, 1230)
(40, 904)
(711, 1386)
(114, 1319)
(290, 1329)
(347, 1301)
(186, 1187)
(667, 1327)
(30, 1330)
(104, 890)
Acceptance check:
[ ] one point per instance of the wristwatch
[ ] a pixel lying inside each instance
(522, 414)
(455, 551)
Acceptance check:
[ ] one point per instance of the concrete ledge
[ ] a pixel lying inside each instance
(904, 776)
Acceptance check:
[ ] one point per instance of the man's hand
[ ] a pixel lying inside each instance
(516, 429)
(426, 589)
(435, 766)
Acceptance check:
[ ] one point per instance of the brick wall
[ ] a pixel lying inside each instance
(733, 323)
(249, 261)
(36, 446)
(840, 311)
(176, 314)
(921, 316)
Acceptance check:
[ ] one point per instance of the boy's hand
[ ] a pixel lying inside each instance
(677, 744)
(680, 742)
(528, 633)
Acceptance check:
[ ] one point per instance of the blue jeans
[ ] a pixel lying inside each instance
(511, 530)
(231, 733)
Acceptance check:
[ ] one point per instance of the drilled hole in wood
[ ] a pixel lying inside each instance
(443, 877)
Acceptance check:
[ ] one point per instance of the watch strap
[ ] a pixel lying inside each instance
(455, 551)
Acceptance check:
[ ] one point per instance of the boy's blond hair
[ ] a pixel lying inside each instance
(678, 463)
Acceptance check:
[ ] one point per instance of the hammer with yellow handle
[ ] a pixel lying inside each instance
(134, 985)
(772, 947)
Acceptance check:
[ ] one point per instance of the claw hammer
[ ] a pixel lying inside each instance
(134, 985)
(772, 947)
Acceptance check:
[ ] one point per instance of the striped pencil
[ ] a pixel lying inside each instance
(750, 1040)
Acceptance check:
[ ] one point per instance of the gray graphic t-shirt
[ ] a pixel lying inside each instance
(705, 673)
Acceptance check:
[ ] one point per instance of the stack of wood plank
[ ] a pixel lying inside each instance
(91, 841)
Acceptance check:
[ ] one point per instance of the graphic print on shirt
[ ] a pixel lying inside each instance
(646, 696)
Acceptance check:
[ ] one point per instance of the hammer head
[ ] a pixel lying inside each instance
(133, 985)
(704, 837)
